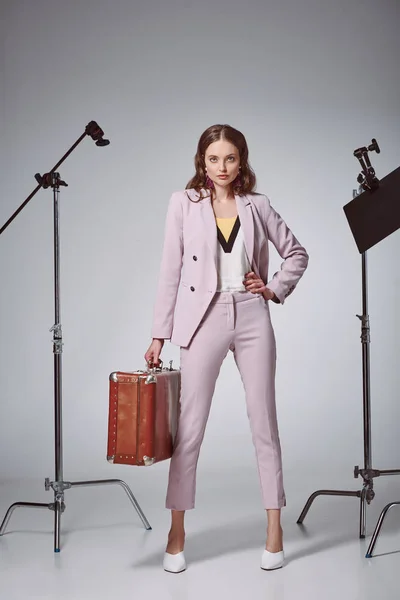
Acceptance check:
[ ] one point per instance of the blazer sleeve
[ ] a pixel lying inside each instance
(170, 271)
(284, 282)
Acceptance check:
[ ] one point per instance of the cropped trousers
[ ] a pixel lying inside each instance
(240, 322)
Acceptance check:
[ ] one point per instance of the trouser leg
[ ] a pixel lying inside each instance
(200, 365)
(255, 356)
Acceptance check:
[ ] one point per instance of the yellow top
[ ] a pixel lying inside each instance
(225, 224)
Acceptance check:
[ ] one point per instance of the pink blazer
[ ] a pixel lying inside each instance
(188, 273)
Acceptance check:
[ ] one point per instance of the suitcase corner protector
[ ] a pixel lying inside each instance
(148, 461)
(114, 376)
(110, 459)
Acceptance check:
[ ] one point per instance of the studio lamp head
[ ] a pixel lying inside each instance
(96, 133)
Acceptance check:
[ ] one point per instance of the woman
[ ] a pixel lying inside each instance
(213, 296)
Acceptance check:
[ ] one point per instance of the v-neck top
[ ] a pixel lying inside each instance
(232, 259)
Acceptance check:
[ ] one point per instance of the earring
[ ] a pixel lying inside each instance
(209, 182)
(238, 180)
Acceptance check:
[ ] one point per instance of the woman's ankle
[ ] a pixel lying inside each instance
(176, 542)
(176, 532)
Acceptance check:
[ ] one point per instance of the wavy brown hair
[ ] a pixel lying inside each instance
(214, 134)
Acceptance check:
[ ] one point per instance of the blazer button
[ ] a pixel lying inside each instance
(192, 288)
(194, 257)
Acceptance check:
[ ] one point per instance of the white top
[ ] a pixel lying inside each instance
(232, 260)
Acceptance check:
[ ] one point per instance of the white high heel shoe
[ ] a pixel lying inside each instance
(174, 563)
(272, 560)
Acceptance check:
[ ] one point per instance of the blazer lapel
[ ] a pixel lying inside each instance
(209, 227)
(245, 212)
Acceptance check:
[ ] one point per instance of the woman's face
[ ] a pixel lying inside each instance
(222, 162)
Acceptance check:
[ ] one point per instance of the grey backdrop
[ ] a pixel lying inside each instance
(306, 82)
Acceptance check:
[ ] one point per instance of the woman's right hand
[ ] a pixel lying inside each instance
(152, 355)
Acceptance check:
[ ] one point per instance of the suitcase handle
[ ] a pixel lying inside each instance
(153, 368)
(160, 367)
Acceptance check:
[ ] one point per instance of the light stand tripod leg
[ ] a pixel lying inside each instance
(11, 509)
(125, 487)
(59, 508)
(378, 527)
(363, 513)
(324, 493)
(57, 525)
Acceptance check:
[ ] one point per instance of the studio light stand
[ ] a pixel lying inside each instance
(373, 214)
(52, 179)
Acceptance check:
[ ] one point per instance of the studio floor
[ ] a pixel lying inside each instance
(106, 552)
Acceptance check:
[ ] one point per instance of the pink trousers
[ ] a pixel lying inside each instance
(240, 322)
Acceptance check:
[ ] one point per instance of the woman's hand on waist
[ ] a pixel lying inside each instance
(255, 285)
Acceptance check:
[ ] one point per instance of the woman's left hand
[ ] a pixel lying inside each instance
(255, 285)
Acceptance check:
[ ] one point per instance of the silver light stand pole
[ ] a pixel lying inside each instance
(52, 179)
(367, 493)
(368, 474)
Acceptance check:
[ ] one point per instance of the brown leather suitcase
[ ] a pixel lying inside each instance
(143, 415)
